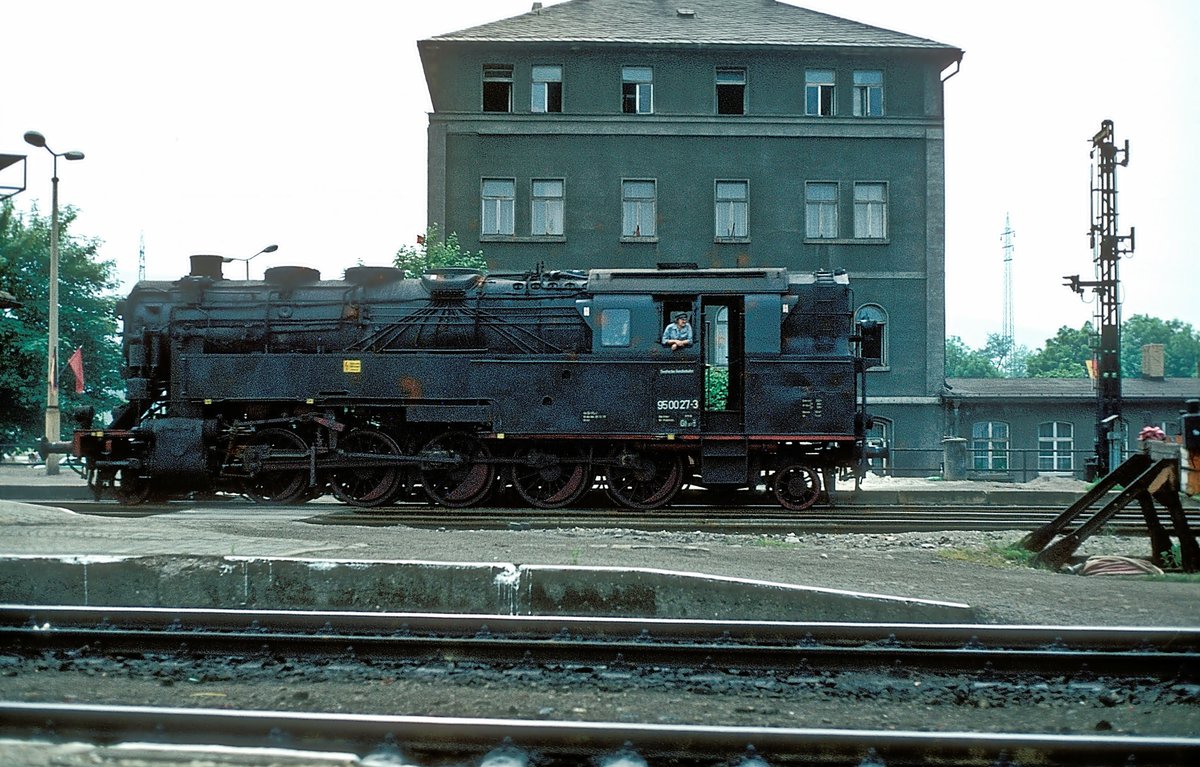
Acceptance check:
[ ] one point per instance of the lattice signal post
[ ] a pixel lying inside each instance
(1107, 247)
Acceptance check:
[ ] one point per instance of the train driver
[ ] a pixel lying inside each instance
(678, 334)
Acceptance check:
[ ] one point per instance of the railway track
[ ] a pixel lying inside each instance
(615, 652)
(748, 519)
(515, 640)
(514, 743)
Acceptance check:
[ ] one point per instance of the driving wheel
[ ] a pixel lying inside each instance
(461, 474)
(366, 486)
(549, 481)
(644, 480)
(274, 485)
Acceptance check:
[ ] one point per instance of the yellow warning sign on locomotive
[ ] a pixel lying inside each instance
(351, 366)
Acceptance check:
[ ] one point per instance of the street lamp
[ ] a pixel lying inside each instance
(53, 432)
(247, 260)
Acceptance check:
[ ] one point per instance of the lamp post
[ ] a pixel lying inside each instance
(53, 431)
(248, 259)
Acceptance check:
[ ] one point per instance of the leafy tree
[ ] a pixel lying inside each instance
(965, 362)
(1009, 358)
(1064, 356)
(432, 252)
(86, 320)
(1181, 345)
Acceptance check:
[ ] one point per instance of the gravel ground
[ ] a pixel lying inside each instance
(952, 566)
(793, 698)
(948, 565)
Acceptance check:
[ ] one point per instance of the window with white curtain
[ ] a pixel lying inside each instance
(499, 201)
(732, 208)
(639, 201)
(820, 210)
(546, 202)
(870, 210)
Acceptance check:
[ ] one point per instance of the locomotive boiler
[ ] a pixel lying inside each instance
(378, 387)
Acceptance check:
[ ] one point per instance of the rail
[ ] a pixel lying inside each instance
(423, 740)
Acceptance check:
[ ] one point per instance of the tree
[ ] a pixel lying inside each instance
(1065, 356)
(86, 319)
(430, 252)
(1181, 345)
(965, 362)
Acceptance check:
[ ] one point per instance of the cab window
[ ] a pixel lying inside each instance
(614, 327)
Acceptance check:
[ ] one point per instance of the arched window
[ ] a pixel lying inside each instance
(989, 445)
(1056, 440)
(879, 435)
(876, 314)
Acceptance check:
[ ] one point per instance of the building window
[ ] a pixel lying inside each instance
(873, 349)
(731, 91)
(818, 92)
(637, 90)
(546, 94)
(989, 445)
(499, 201)
(868, 94)
(546, 215)
(497, 87)
(614, 327)
(639, 200)
(820, 210)
(1056, 440)
(732, 209)
(870, 210)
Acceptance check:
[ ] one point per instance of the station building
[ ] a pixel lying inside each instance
(721, 133)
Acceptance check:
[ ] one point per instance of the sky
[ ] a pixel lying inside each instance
(227, 125)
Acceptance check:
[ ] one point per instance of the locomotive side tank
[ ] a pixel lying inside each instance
(376, 387)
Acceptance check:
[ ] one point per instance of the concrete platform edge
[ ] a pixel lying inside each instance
(459, 587)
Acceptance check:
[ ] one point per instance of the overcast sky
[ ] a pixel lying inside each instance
(222, 126)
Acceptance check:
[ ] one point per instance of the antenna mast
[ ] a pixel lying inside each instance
(141, 256)
(1008, 329)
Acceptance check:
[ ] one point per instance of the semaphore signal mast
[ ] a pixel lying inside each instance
(1107, 247)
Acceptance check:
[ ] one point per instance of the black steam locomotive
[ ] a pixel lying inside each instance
(377, 388)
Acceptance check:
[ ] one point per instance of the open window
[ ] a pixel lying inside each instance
(872, 330)
(679, 335)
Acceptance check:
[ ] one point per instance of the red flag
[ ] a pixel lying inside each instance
(76, 365)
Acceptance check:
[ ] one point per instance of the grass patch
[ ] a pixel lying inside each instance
(1174, 578)
(1011, 555)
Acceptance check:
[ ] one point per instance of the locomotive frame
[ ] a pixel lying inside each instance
(376, 388)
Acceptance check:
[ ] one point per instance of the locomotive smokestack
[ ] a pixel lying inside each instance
(207, 266)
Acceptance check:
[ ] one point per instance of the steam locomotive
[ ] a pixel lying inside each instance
(378, 387)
